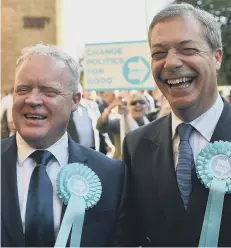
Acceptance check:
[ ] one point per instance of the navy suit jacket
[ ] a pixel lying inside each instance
(160, 218)
(106, 224)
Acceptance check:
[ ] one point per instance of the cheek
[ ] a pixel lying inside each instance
(18, 102)
(156, 67)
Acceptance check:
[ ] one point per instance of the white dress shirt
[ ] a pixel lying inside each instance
(25, 167)
(201, 135)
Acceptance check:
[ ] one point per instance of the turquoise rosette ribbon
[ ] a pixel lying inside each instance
(80, 189)
(213, 167)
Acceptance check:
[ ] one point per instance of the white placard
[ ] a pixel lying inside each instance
(118, 66)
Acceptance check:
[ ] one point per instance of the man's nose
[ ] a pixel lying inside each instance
(172, 61)
(34, 98)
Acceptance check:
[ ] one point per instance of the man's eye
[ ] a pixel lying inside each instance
(22, 90)
(189, 51)
(158, 55)
(50, 93)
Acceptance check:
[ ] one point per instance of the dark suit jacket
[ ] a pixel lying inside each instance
(159, 216)
(106, 224)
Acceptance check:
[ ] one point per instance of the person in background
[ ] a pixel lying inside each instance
(107, 99)
(82, 124)
(168, 199)
(45, 95)
(150, 102)
(228, 98)
(164, 107)
(133, 111)
(7, 124)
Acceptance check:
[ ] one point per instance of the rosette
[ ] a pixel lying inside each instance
(80, 189)
(213, 167)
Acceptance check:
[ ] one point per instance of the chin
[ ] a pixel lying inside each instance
(182, 104)
(32, 134)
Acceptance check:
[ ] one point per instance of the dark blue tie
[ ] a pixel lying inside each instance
(185, 166)
(39, 222)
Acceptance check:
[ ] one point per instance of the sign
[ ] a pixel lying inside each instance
(118, 66)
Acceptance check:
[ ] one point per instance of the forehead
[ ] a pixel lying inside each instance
(177, 29)
(41, 67)
(136, 96)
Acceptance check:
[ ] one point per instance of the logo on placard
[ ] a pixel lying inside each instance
(136, 70)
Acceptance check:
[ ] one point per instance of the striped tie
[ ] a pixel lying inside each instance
(185, 164)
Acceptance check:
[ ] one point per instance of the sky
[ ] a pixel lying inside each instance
(102, 21)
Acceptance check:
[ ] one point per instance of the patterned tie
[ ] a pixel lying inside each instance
(39, 222)
(185, 166)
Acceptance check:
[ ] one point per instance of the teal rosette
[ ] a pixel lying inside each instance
(213, 167)
(80, 189)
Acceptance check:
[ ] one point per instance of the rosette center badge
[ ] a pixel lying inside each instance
(220, 166)
(78, 185)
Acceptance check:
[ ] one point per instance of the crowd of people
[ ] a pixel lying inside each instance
(59, 189)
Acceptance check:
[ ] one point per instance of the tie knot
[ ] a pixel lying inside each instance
(41, 157)
(184, 131)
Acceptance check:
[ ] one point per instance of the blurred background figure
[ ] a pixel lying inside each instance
(82, 124)
(132, 109)
(107, 99)
(150, 102)
(163, 107)
(7, 125)
(228, 98)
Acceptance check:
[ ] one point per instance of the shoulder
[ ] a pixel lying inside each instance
(151, 128)
(6, 143)
(149, 131)
(100, 162)
(89, 103)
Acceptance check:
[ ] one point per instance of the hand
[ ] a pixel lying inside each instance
(116, 102)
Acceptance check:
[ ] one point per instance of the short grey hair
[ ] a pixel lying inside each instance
(212, 28)
(56, 54)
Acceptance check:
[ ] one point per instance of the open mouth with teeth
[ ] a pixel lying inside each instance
(35, 117)
(179, 83)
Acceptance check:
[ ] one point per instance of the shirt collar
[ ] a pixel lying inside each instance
(24, 150)
(205, 123)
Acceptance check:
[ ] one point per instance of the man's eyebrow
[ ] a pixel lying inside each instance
(178, 44)
(157, 45)
(186, 42)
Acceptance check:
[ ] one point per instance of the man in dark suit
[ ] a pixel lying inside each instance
(169, 206)
(45, 94)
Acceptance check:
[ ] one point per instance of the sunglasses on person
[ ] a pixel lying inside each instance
(133, 103)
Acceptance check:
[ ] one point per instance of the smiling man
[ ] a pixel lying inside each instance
(169, 200)
(45, 95)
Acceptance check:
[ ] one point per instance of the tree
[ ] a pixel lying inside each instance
(222, 10)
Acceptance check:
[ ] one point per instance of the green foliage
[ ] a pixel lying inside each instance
(222, 10)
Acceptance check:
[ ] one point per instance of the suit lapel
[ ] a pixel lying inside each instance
(71, 129)
(154, 154)
(168, 191)
(222, 130)
(10, 203)
(76, 155)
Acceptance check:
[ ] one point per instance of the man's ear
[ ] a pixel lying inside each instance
(75, 101)
(218, 58)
